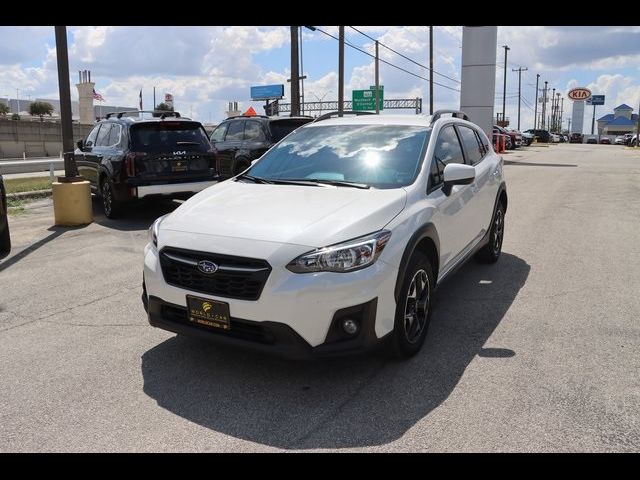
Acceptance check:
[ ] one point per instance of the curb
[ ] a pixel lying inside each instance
(33, 194)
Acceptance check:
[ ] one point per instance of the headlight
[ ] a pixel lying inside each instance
(343, 257)
(153, 230)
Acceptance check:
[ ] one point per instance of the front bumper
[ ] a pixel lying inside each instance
(307, 304)
(271, 337)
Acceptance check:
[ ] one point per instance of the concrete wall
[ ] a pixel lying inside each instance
(35, 139)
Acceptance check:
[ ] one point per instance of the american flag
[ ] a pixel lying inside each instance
(97, 96)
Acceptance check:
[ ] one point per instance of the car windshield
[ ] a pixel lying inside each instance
(382, 156)
(168, 136)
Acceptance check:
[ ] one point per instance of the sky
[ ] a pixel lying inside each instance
(206, 67)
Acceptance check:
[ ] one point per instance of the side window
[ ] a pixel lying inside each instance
(114, 136)
(103, 135)
(472, 148)
(447, 150)
(483, 141)
(218, 133)
(253, 132)
(91, 139)
(234, 133)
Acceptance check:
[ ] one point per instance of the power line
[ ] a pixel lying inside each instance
(388, 63)
(403, 56)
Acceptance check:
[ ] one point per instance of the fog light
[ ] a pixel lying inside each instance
(350, 326)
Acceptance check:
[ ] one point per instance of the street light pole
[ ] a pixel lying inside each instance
(340, 71)
(535, 110)
(504, 93)
(377, 81)
(519, 70)
(62, 57)
(431, 70)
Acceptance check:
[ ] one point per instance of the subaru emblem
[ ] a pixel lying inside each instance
(207, 267)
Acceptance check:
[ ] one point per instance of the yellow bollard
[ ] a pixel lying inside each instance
(72, 203)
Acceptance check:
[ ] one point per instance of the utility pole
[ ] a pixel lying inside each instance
(535, 109)
(302, 75)
(431, 70)
(62, 57)
(569, 125)
(504, 92)
(561, 112)
(377, 81)
(340, 70)
(519, 70)
(295, 75)
(593, 119)
(544, 104)
(553, 109)
(154, 97)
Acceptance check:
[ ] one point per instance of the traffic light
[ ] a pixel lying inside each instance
(271, 109)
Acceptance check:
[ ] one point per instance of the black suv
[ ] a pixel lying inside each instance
(543, 135)
(5, 241)
(239, 140)
(126, 158)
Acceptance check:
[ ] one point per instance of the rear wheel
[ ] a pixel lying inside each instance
(111, 207)
(413, 310)
(490, 253)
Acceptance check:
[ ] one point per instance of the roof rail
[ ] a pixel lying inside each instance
(156, 113)
(345, 112)
(454, 113)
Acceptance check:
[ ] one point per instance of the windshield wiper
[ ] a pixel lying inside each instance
(337, 183)
(244, 176)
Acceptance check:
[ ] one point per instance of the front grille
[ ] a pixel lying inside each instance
(237, 277)
(242, 329)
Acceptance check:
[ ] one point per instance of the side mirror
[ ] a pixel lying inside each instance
(80, 144)
(457, 174)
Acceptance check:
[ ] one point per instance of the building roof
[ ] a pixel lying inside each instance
(622, 121)
(624, 106)
(607, 118)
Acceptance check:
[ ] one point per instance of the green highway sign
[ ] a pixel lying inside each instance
(366, 99)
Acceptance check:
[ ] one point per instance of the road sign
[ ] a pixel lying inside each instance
(267, 92)
(366, 99)
(596, 100)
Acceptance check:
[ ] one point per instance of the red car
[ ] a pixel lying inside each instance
(605, 141)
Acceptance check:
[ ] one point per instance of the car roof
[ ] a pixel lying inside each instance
(418, 120)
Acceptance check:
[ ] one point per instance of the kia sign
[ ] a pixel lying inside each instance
(579, 94)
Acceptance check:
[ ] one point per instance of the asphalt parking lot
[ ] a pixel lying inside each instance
(539, 352)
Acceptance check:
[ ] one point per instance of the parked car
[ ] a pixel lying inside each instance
(239, 140)
(605, 141)
(514, 136)
(127, 158)
(620, 140)
(633, 141)
(497, 134)
(592, 139)
(555, 138)
(543, 135)
(627, 138)
(5, 239)
(527, 138)
(564, 138)
(575, 138)
(332, 242)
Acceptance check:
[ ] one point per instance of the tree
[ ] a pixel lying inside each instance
(163, 107)
(4, 109)
(40, 109)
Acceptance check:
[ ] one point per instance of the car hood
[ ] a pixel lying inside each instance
(302, 215)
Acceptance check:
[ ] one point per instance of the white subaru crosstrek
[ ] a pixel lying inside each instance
(334, 240)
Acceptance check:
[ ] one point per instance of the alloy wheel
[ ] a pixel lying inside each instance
(416, 306)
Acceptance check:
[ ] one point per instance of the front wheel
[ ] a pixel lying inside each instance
(490, 253)
(413, 310)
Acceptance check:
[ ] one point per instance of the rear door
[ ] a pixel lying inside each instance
(167, 151)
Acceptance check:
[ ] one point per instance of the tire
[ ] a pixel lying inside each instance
(413, 310)
(111, 207)
(490, 253)
(240, 166)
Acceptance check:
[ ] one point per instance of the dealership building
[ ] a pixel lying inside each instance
(621, 121)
